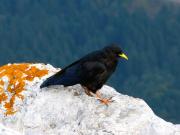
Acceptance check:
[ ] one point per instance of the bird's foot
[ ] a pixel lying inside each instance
(105, 101)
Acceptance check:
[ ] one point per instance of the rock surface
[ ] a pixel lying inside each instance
(69, 111)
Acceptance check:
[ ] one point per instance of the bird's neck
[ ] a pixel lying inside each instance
(110, 60)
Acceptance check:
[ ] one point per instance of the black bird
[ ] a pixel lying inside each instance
(92, 71)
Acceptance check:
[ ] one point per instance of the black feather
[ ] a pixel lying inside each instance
(66, 77)
(91, 71)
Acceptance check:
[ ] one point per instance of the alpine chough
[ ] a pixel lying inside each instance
(92, 71)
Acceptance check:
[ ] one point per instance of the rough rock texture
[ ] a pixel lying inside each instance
(69, 111)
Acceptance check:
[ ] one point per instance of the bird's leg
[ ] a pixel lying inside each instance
(103, 100)
(87, 91)
(98, 96)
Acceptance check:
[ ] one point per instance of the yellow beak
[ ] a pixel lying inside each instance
(122, 55)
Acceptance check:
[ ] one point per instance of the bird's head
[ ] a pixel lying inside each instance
(116, 51)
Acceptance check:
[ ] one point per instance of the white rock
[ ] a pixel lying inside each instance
(69, 111)
(7, 131)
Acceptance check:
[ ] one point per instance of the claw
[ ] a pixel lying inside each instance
(111, 100)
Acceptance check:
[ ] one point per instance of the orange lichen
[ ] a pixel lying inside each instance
(9, 106)
(2, 97)
(1, 82)
(17, 74)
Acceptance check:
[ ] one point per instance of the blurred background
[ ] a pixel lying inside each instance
(60, 31)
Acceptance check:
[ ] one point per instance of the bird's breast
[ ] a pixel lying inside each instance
(110, 64)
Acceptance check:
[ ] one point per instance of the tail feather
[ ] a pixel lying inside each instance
(66, 77)
(50, 81)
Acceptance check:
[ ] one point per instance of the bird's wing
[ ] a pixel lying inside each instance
(93, 69)
(74, 73)
(67, 76)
